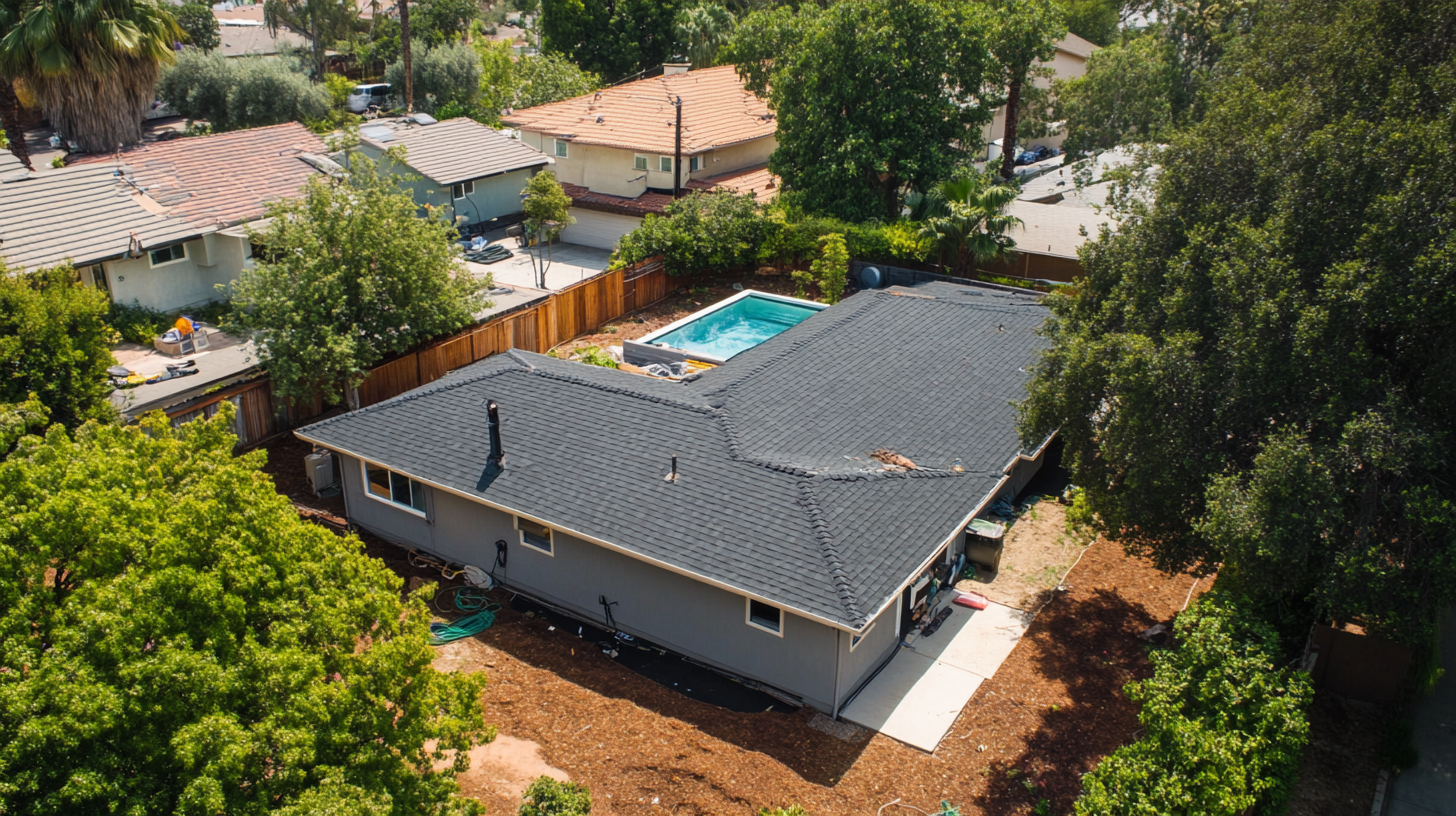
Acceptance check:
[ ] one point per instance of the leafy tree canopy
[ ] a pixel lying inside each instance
(1026, 33)
(174, 639)
(200, 25)
(1097, 21)
(870, 96)
(240, 93)
(547, 797)
(55, 345)
(613, 38)
(436, 22)
(1255, 370)
(698, 232)
(443, 75)
(347, 274)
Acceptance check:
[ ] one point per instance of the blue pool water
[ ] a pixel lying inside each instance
(736, 327)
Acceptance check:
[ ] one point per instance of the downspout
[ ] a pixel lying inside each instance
(838, 650)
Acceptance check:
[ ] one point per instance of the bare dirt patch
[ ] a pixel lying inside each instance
(1338, 772)
(1038, 552)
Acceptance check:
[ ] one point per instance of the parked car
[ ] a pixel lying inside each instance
(365, 95)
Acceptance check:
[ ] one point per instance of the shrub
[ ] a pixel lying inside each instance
(54, 348)
(338, 87)
(1224, 726)
(831, 270)
(719, 231)
(547, 797)
(594, 355)
(140, 324)
(200, 25)
(233, 94)
(442, 75)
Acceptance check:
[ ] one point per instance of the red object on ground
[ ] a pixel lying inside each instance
(972, 600)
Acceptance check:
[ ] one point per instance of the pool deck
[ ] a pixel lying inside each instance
(647, 350)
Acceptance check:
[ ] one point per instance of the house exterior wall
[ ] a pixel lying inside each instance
(1064, 65)
(211, 260)
(598, 229)
(612, 170)
(494, 196)
(672, 610)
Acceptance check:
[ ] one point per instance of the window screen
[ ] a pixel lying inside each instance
(664, 163)
(535, 535)
(639, 162)
(769, 617)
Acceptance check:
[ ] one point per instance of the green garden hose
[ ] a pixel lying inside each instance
(467, 599)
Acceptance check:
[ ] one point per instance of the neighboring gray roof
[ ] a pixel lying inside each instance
(778, 495)
(84, 214)
(255, 41)
(455, 150)
(1055, 229)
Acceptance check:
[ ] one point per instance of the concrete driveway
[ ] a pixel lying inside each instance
(1429, 789)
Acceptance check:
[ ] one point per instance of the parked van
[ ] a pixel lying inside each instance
(365, 95)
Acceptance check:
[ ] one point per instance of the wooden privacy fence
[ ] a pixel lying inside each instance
(571, 312)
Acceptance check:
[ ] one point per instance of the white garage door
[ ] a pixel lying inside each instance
(598, 229)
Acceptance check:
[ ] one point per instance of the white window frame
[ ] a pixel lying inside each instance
(408, 508)
(151, 255)
(465, 187)
(695, 163)
(748, 616)
(560, 149)
(664, 164)
(521, 535)
(856, 639)
(639, 162)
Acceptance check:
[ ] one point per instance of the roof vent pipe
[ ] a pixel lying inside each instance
(497, 456)
(672, 474)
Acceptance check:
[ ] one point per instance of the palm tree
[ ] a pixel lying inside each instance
(10, 115)
(702, 31)
(968, 221)
(90, 63)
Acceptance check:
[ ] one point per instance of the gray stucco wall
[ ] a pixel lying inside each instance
(675, 611)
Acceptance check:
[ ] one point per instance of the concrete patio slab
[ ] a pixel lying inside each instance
(1429, 789)
(917, 697)
(569, 263)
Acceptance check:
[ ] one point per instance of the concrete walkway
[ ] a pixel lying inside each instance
(1430, 787)
(918, 696)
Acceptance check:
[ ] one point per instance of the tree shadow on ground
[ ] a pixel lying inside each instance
(1090, 647)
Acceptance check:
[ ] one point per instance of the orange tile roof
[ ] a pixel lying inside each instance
(756, 180)
(717, 111)
(223, 179)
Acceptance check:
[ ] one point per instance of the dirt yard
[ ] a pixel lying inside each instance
(1038, 552)
(1055, 708)
(694, 293)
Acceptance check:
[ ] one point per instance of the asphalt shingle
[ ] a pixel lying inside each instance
(777, 494)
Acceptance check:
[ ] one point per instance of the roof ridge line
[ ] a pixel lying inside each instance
(828, 550)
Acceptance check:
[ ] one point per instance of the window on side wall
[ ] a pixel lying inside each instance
(767, 617)
(855, 639)
(171, 254)
(695, 164)
(534, 535)
(385, 485)
(561, 149)
(459, 191)
(664, 163)
(639, 163)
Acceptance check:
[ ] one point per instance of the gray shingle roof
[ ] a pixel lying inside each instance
(778, 496)
(458, 150)
(85, 213)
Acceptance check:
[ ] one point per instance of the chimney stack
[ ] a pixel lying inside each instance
(497, 456)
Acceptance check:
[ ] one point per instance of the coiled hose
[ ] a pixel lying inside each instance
(467, 599)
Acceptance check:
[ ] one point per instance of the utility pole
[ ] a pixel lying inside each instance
(677, 154)
(404, 38)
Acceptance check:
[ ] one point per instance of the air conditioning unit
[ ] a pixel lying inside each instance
(320, 467)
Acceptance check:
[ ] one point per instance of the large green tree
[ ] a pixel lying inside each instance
(701, 31)
(324, 22)
(443, 75)
(90, 63)
(233, 93)
(54, 344)
(347, 274)
(174, 639)
(870, 96)
(1256, 369)
(200, 25)
(1025, 34)
(613, 38)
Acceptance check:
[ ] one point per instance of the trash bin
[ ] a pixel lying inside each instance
(984, 543)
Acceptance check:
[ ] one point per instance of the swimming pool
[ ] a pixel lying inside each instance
(739, 323)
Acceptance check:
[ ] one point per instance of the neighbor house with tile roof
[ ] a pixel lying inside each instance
(159, 224)
(741, 517)
(616, 149)
(471, 172)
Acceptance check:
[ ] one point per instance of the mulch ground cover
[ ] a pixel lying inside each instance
(1051, 712)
